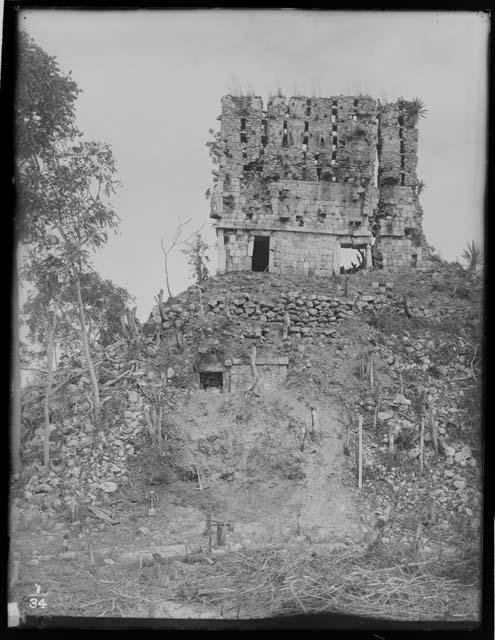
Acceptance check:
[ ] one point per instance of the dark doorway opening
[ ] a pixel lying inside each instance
(211, 379)
(261, 253)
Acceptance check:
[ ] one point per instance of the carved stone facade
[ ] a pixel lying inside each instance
(301, 181)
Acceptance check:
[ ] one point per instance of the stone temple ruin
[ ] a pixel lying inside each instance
(302, 182)
(234, 374)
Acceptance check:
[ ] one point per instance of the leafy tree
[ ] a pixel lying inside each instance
(53, 319)
(432, 253)
(46, 273)
(78, 182)
(197, 258)
(104, 304)
(44, 113)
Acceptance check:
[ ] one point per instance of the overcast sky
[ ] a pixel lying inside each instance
(152, 83)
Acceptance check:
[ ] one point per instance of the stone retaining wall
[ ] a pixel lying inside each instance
(310, 314)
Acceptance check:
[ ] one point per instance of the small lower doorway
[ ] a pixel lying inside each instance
(211, 380)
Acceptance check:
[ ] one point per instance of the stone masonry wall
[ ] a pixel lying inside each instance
(342, 166)
(308, 253)
(398, 218)
(272, 373)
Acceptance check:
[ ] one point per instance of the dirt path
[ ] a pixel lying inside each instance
(328, 499)
(273, 491)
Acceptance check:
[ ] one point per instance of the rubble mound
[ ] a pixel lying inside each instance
(422, 330)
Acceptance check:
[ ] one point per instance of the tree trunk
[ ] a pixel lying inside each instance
(201, 306)
(49, 379)
(360, 452)
(315, 430)
(89, 361)
(286, 325)
(421, 446)
(15, 418)
(166, 277)
(433, 429)
(159, 300)
(227, 304)
(406, 306)
(254, 372)
(346, 286)
(391, 439)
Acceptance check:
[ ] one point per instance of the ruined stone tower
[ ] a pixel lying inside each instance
(298, 183)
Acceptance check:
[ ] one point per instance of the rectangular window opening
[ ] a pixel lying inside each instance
(352, 258)
(228, 205)
(243, 137)
(264, 132)
(261, 253)
(211, 380)
(306, 126)
(243, 124)
(414, 260)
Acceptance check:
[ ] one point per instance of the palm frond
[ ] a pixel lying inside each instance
(473, 255)
(415, 110)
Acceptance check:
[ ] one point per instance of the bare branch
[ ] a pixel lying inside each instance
(177, 241)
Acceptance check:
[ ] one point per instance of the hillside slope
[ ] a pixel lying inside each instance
(402, 352)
